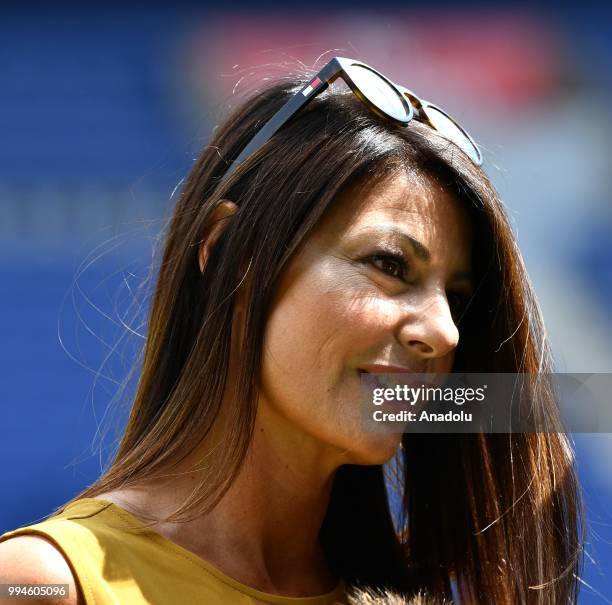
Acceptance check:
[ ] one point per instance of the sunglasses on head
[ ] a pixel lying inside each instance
(379, 94)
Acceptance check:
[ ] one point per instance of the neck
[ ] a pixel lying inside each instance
(264, 532)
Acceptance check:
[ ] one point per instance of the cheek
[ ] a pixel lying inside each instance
(321, 323)
(318, 332)
(304, 337)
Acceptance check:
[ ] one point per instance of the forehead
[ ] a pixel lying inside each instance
(416, 202)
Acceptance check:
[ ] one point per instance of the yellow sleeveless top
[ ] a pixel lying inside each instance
(118, 560)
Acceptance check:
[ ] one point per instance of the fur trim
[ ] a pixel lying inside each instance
(369, 596)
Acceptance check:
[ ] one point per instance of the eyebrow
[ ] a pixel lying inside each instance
(418, 248)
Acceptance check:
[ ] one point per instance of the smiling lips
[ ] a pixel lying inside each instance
(377, 368)
(390, 369)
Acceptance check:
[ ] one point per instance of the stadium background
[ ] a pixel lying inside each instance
(102, 112)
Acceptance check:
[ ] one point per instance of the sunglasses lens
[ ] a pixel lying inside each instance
(380, 93)
(450, 130)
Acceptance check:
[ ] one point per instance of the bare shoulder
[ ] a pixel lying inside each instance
(35, 560)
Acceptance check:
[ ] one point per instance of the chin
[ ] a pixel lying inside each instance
(375, 448)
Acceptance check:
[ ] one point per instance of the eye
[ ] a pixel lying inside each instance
(390, 264)
(458, 303)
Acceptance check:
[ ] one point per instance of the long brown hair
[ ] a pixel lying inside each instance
(487, 518)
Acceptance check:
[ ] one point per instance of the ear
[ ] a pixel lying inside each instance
(219, 220)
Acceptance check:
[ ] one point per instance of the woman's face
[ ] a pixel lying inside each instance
(379, 284)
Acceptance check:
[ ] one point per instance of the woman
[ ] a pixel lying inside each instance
(320, 235)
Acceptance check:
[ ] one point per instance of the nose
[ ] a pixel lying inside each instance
(429, 331)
